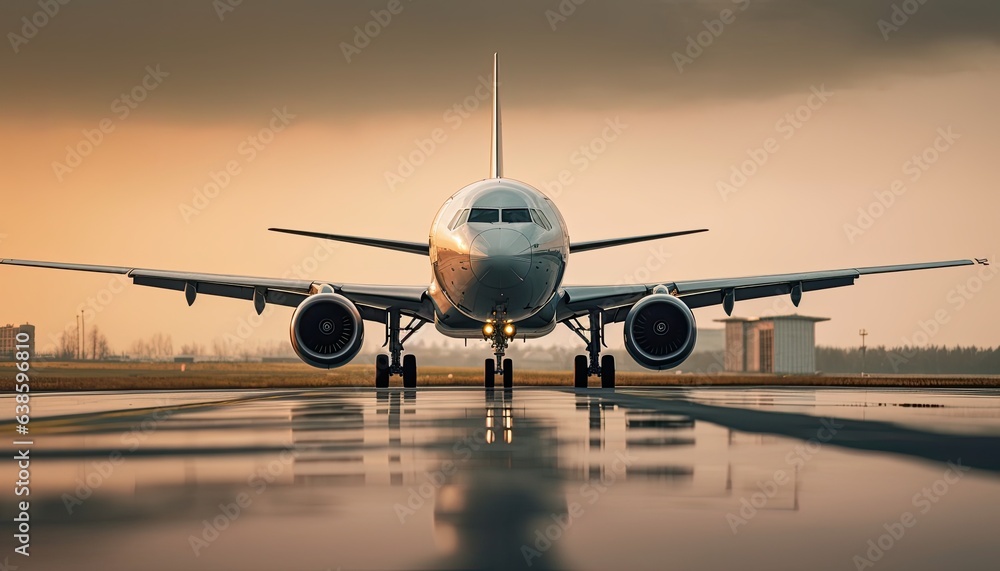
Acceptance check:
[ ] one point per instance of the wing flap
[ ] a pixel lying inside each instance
(302, 286)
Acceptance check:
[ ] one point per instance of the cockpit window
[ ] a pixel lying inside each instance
(541, 220)
(514, 215)
(459, 219)
(487, 215)
(508, 215)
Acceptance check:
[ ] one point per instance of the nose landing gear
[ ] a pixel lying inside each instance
(499, 333)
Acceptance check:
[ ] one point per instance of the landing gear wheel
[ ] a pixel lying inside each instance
(381, 371)
(490, 376)
(608, 372)
(508, 374)
(580, 372)
(409, 371)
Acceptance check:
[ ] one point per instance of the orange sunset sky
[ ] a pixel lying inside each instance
(352, 104)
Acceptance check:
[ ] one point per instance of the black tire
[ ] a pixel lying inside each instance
(381, 371)
(580, 372)
(508, 374)
(490, 374)
(608, 372)
(409, 371)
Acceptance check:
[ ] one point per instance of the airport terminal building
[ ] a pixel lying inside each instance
(779, 344)
(8, 339)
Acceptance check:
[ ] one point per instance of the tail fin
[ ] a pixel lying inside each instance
(496, 151)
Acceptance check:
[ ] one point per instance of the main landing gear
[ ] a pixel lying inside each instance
(593, 363)
(388, 365)
(499, 333)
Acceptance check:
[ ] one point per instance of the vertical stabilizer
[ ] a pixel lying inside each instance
(496, 151)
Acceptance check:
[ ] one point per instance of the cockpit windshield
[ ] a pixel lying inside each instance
(494, 215)
(487, 215)
(514, 215)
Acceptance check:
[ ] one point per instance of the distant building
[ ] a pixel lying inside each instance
(8, 339)
(710, 341)
(779, 344)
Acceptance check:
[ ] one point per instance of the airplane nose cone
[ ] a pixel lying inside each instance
(500, 257)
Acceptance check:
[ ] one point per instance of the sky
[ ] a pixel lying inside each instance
(805, 135)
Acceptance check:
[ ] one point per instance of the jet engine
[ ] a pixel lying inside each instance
(327, 330)
(660, 331)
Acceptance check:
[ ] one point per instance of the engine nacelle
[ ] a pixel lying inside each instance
(660, 331)
(327, 330)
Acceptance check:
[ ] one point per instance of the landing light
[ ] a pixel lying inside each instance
(488, 330)
(509, 331)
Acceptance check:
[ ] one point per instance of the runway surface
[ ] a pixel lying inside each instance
(752, 478)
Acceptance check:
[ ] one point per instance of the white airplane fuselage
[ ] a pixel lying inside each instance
(498, 251)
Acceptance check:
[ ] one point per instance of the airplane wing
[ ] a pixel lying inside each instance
(615, 301)
(373, 300)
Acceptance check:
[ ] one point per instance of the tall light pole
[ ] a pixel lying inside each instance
(83, 338)
(863, 333)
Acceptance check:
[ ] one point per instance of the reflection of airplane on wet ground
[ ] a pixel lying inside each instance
(498, 249)
(506, 480)
(480, 474)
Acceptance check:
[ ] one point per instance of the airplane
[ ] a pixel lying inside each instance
(498, 250)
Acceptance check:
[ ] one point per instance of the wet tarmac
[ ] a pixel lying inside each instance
(749, 478)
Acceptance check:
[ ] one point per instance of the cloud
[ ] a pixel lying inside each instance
(430, 54)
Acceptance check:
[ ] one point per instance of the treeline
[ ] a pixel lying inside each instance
(158, 347)
(94, 345)
(932, 359)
